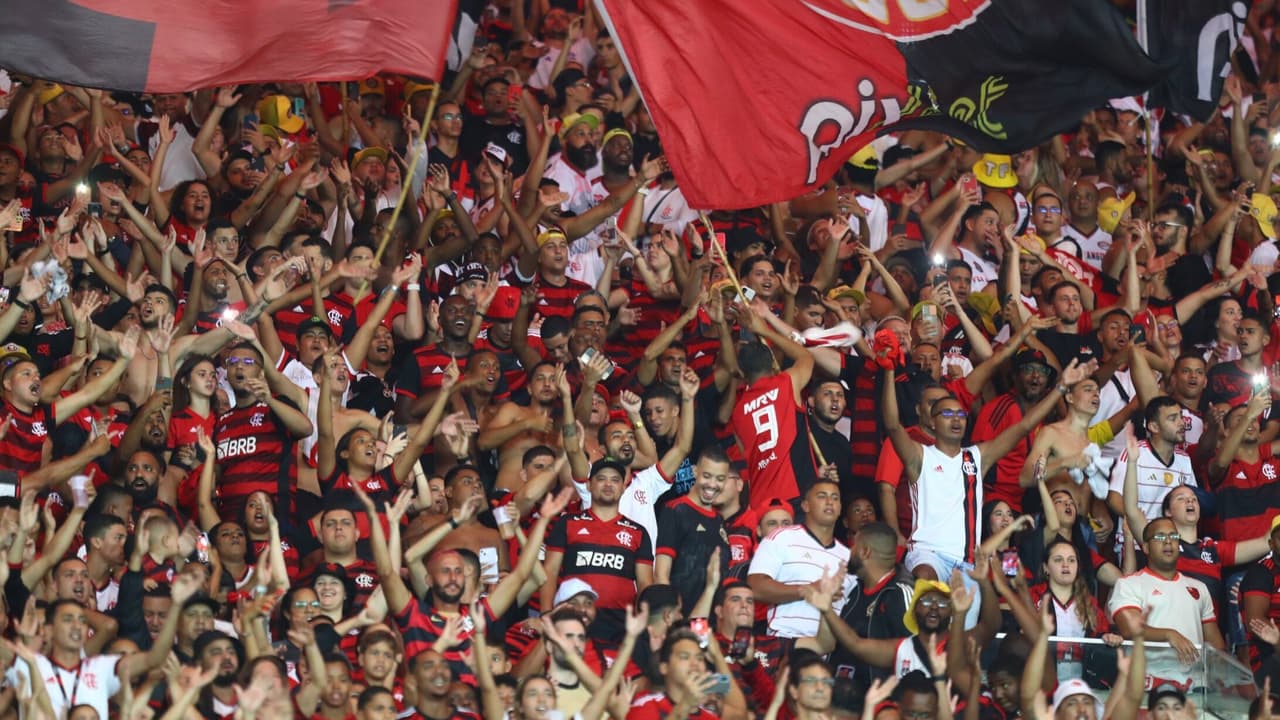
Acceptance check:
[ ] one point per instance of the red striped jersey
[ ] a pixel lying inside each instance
(420, 626)
(1248, 496)
(292, 559)
(1262, 579)
(24, 446)
(556, 300)
(771, 428)
(860, 376)
(423, 371)
(654, 315)
(604, 554)
(339, 315)
(994, 418)
(1204, 560)
(382, 485)
(701, 354)
(182, 431)
(161, 572)
(252, 447)
(741, 529)
(660, 707)
(361, 310)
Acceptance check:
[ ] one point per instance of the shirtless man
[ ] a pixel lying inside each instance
(475, 398)
(1062, 444)
(460, 484)
(516, 428)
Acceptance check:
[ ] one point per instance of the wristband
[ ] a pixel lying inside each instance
(300, 196)
(22, 303)
(413, 287)
(1064, 389)
(391, 290)
(451, 196)
(454, 523)
(642, 190)
(280, 167)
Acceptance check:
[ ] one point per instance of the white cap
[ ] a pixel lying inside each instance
(573, 587)
(1071, 688)
(497, 151)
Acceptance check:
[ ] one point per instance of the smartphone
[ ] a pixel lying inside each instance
(748, 295)
(721, 686)
(1009, 564)
(702, 629)
(1259, 97)
(969, 184)
(95, 209)
(1260, 383)
(514, 92)
(259, 163)
(741, 641)
(1137, 333)
(251, 120)
(610, 233)
(939, 280)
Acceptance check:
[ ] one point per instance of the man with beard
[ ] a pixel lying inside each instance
(576, 159)
(1031, 381)
(255, 438)
(1169, 606)
(1162, 465)
(1114, 174)
(420, 375)
(878, 606)
(602, 548)
(1065, 340)
(141, 478)
(1232, 382)
(216, 649)
(516, 428)
(1082, 200)
(23, 448)
(691, 531)
(827, 403)
(422, 622)
(433, 675)
(979, 235)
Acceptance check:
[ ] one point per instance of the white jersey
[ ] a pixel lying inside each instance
(1113, 396)
(907, 660)
(984, 271)
(668, 208)
(793, 556)
(576, 184)
(1182, 604)
(877, 212)
(1155, 479)
(946, 502)
(640, 496)
(1092, 247)
(92, 682)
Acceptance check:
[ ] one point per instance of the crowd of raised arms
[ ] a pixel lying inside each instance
(437, 401)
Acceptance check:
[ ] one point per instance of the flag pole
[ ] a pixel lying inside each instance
(415, 158)
(1140, 17)
(733, 278)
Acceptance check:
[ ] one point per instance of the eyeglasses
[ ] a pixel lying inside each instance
(829, 682)
(304, 604)
(952, 414)
(1169, 224)
(1164, 537)
(940, 603)
(233, 361)
(451, 116)
(1034, 370)
(1048, 211)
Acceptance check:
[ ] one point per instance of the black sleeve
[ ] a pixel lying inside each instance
(128, 610)
(111, 315)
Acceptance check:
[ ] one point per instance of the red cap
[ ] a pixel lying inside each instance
(6, 147)
(505, 302)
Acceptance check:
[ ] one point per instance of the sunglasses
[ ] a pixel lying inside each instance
(1048, 211)
(952, 414)
(304, 604)
(929, 603)
(233, 361)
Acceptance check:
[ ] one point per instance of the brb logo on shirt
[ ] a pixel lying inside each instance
(592, 558)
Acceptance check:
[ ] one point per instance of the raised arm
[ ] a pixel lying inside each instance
(994, 449)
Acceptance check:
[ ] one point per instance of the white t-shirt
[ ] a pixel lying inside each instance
(984, 271)
(638, 499)
(793, 556)
(1182, 604)
(877, 213)
(93, 682)
(1155, 479)
(668, 208)
(1092, 247)
(1112, 396)
(946, 514)
(573, 182)
(581, 54)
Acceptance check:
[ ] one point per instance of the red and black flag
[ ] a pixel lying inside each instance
(759, 101)
(179, 45)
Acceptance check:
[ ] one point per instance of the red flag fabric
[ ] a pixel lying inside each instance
(758, 101)
(179, 45)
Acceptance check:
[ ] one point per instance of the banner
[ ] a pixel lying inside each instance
(1200, 35)
(179, 45)
(758, 102)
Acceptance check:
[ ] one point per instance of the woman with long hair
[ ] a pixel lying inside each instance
(1076, 610)
(193, 387)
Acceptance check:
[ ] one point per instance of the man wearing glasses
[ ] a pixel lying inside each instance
(1180, 607)
(1032, 378)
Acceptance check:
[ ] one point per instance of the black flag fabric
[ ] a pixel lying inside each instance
(1200, 35)
(1025, 72)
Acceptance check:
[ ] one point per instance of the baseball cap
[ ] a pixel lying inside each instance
(473, 271)
(616, 132)
(11, 353)
(333, 570)
(865, 159)
(504, 305)
(202, 599)
(373, 86)
(49, 94)
(12, 150)
(1263, 209)
(1162, 691)
(573, 119)
(777, 503)
(846, 291)
(1110, 209)
(1029, 356)
(1275, 523)
(995, 170)
(412, 88)
(277, 111)
(572, 588)
(369, 153)
(499, 153)
(1071, 688)
(608, 463)
(923, 586)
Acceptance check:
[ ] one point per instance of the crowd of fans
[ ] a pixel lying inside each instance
(395, 399)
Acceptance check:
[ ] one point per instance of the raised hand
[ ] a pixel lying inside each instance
(161, 337)
(128, 344)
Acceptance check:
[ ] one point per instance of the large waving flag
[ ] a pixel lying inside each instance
(178, 45)
(1202, 35)
(759, 101)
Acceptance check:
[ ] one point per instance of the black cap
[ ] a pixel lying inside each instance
(1030, 356)
(739, 239)
(1163, 691)
(606, 463)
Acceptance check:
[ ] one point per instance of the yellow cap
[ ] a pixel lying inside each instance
(995, 171)
(574, 118)
(49, 94)
(412, 88)
(923, 586)
(1263, 209)
(277, 111)
(616, 132)
(369, 153)
(373, 86)
(846, 291)
(1111, 209)
(865, 158)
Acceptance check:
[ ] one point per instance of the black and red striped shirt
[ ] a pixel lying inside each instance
(23, 447)
(1248, 496)
(1262, 579)
(558, 300)
(604, 554)
(420, 626)
(253, 449)
(423, 371)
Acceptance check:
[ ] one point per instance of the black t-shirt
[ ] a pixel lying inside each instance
(478, 132)
(874, 613)
(689, 534)
(1066, 346)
